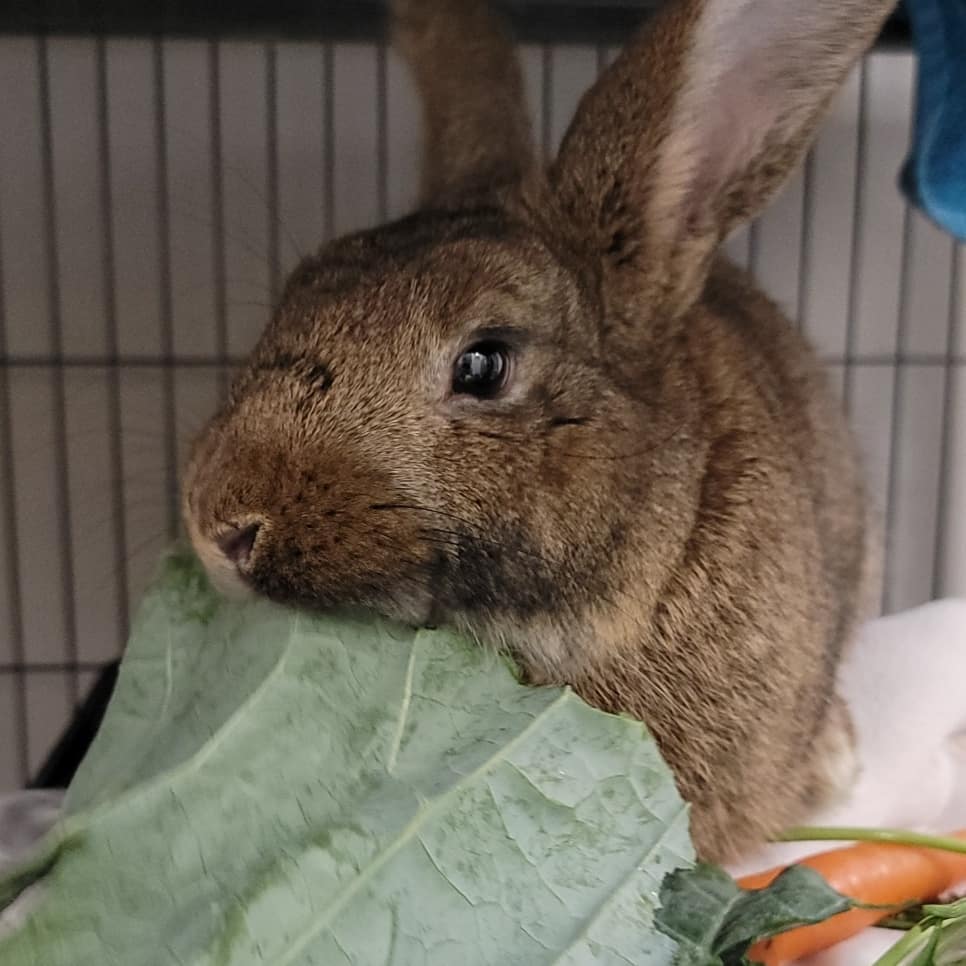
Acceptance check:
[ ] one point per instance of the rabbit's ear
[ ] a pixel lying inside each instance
(692, 130)
(477, 130)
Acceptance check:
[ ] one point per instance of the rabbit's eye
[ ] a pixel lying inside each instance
(481, 370)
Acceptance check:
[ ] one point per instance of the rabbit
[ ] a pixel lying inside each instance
(542, 410)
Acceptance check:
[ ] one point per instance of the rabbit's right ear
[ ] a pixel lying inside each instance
(691, 131)
(477, 130)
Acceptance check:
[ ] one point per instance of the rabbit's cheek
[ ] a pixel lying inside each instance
(504, 571)
(502, 584)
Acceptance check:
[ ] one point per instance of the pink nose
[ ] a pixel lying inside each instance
(237, 543)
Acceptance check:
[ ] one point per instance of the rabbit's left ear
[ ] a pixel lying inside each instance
(691, 132)
(477, 132)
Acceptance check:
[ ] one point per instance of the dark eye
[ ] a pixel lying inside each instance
(481, 370)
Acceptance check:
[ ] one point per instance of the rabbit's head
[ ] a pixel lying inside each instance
(415, 430)
(490, 414)
(452, 417)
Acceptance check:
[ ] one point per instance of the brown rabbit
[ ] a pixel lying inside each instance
(542, 411)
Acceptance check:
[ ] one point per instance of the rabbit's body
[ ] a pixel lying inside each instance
(522, 414)
(766, 543)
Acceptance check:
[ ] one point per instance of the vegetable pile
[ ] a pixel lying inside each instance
(886, 875)
(270, 787)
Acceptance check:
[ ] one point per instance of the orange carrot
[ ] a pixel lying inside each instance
(895, 876)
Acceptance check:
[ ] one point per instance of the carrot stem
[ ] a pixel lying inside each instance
(808, 833)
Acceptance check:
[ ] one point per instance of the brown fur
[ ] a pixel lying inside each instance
(484, 94)
(664, 509)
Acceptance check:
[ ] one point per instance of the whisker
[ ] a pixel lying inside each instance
(236, 282)
(418, 508)
(158, 538)
(239, 175)
(118, 573)
(94, 525)
(249, 304)
(494, 544)
(606, 457)
(243, 243)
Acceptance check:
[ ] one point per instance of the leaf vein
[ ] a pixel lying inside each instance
(314, 930)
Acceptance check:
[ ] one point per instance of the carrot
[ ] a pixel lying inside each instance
(881, 873)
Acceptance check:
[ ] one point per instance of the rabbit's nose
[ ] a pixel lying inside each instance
(237, 543)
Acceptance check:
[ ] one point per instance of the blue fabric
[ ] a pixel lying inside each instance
(934, 175)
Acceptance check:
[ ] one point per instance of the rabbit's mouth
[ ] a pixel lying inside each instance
(401, 582)
(406, 595)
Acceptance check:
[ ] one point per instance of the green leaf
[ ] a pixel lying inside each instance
(694, 906)
(276, 788)
(951, 946)
(798, 897)
(938, 939)
(925, 956)
(949, 910)
(914, 949)
(714, 920)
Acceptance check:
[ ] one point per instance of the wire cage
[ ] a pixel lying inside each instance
(160, 171)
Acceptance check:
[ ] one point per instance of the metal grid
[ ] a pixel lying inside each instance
(153, 193)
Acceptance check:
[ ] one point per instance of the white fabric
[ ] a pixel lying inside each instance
(24, 818)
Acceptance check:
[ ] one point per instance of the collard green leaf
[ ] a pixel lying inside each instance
(714, 920)
(694, 906)
(275, 788)
(798, 897)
